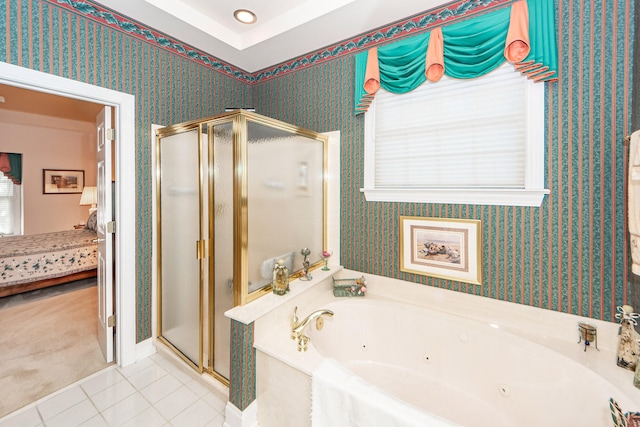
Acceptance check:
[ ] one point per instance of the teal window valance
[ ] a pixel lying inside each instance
(11, 166)
(523, 34)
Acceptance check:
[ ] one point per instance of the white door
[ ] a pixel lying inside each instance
(106, 317)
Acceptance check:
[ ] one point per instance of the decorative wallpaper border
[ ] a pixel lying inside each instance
(112, 19)
(409, 26)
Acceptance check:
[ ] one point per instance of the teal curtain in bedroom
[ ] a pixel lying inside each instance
(11, 166)
(471, 48)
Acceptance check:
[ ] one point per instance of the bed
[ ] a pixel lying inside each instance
(37, 261)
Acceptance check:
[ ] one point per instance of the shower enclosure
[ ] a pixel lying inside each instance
(236, 193)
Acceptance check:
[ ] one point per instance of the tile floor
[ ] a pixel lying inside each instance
(152, 392)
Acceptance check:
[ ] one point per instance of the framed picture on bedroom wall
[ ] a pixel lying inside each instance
(445, 248)
(62, 181)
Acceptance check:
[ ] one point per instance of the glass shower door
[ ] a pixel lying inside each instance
(222, 228)
(222, 148)
(180, 284)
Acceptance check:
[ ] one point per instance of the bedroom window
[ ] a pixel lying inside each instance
(10, 207)
(472, 141)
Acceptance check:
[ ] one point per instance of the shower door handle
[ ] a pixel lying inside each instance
(201, 252)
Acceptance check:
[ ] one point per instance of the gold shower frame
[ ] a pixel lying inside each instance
(241, 294)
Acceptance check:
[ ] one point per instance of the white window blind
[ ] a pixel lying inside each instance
(10, 207)
(458, 141)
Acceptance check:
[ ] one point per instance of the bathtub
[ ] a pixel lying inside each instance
(470, 360)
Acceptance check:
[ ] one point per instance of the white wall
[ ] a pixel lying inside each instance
(49, 143)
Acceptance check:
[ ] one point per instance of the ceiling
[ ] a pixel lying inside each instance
(44, 104)
(285, 29)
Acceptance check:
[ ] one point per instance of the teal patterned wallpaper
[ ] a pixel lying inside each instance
(569, 255)
(242, 385)
(168, 89)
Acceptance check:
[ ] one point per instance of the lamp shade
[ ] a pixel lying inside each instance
(89, 197)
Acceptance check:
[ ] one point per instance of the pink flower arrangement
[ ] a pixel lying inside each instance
(325, 257)
(358, 290)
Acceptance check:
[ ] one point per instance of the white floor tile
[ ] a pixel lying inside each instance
(198, 387)
(112, 395)
(196, 415)
(176, 402)
(216, 400)
(161, 388)
(182, 375)
(74, 416)
(125, 410)
(102, 381)
(97, 421)
(23, 418)
(146, 376)
(150, 417)
(152, 393)
(136, 367)
(217, 422)
(163, 358)
(180, 372)
(51, 406)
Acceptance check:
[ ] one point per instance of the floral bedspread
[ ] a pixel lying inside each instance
(25, 259)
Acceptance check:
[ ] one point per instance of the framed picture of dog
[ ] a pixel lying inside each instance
(442, 247)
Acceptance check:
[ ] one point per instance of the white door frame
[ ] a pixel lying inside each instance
(125, 254)
(105, 238)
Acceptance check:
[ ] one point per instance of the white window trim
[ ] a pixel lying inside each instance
(532, 195)
(17, 227)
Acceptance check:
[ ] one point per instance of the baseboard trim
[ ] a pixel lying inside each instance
(234, 417)
(145, 349)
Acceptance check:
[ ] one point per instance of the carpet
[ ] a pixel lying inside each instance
(47, 344)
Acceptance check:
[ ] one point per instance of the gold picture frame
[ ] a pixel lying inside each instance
(445, 248)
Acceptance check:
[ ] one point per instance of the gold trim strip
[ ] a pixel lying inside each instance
(240, 211)
(201, 207)
(217, 376)
(200, 249)
(158, 234)
(211, 252)
(166, 342)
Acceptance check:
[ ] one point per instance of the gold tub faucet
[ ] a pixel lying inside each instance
(297, 328)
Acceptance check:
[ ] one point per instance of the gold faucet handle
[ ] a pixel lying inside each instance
(302, 343)
(294, 323)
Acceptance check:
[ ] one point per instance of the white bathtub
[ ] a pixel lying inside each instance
(470, 360)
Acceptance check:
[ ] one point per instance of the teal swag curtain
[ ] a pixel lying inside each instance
(11, 166)
(402, 64)
(464, 50)
(542, 62)
(475, 47)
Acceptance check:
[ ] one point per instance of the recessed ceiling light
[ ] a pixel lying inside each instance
(245, 16)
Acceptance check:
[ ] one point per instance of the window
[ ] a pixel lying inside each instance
(10, 207)
(475, 141)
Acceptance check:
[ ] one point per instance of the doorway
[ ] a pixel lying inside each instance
(123, 106)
